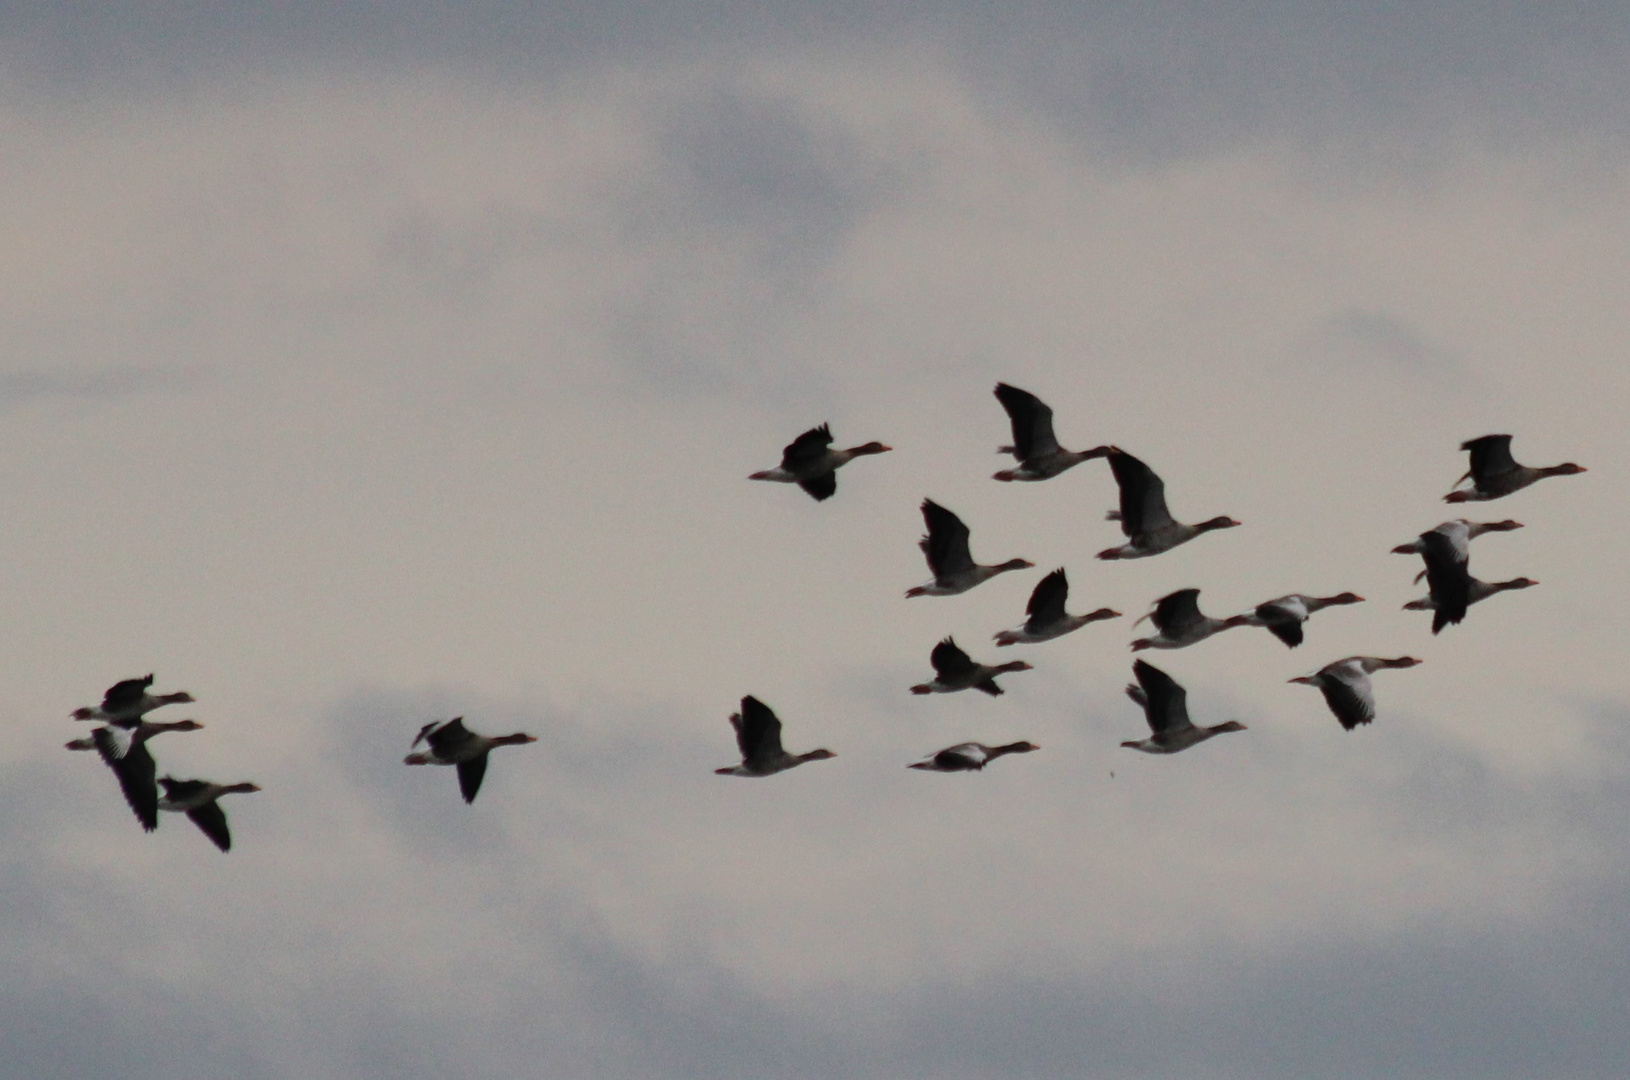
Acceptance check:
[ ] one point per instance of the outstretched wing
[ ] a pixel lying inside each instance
(446, 740)
(1177, 610)
(1448, 579)
(1349, 695)
(1032, 422)
(1165, 702)
(946, 545)
(134, 767)
(1047, 599)
(1491, 456)
(125, 695)
(1143, 495)
(211, 820)
(758, 730)
(950, 661)
(470, 773)
(822, 486)
(1281, 622)
(806, 450)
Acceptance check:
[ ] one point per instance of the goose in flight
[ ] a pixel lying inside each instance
(758, 736)
(1494, 473)
(1346, 686)
(129, 700)
(946, 549)
(1040, 456)
(124, 749)
(1283, 618)
(1047, 619)
(970, 756)
(1147, 523)
(1165, 707)
(1460, 533)
(954, 670)
(1451, 589)
(451, 743)
(198, 799)
(1178, 622)
(810, 462)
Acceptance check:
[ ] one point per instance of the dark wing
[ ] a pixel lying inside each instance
(181, 790)
(426, 730)
(469, 776)
(1143, 495)
(989, 686)
(126, 694)
(758, 730)
(1351, 701)
(1491, 456)
(1448, 579)
(1047, 599)
(946, 545)
(1176, 610)
(950, 661)
(961, 756)
(445, 740)
(211, 819)
(804, 452)
(1032, 422)
(134, 767)
(1166, 703)
(1281, 624)
(823, 486)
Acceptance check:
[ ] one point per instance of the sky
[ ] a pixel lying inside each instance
(369, 365)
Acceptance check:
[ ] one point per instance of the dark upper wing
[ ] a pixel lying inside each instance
(961, 756)
(178, 791)
(1448, 578)
(1281, 623)
(134, 767)
(946, 545)
(1352, 702)
(126, 694)
(807, 449)
(469, 776)
(1032, 422)
(758, 729)
(1176, 610)
(823, 486)
(1491, 456)
(426, 730)
(212, 820)
(1047, 599)
(949, 660)
(445, 740)
(1143, 494)
(1166, 703)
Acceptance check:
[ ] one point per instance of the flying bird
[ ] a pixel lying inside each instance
(1178, 622)
(1283, 618)
(1165, 707)
(1460, 534)
(451, 743)
(946, 549)
(124, 749)
(969, 756)
(1040, 456)
(1450, 585)
(129, 700)
(1494, 473)
(198, 800)
(1047, 619)
(758, 736)
(1147, 523)
(954, 670)
(1346, 686)
(810, 462)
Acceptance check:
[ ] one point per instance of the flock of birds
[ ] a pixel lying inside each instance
(811, 462)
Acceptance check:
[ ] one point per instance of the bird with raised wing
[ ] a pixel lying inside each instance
(1165, 707)
(946, 549)
(1149, 526)
(198, 799)
(955, 670)
(1346, 686)
(758, 736)
(1494, 473)
(970, 756)
(810, 462)
(451, 743)
(130, 700)
(1178, 622)
(1040, 456)
(1284, 616)
(1047, 618)
(1460, 533)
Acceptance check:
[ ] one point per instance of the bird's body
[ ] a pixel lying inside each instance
(1047, 618)
(758, 736)
(946, 549)
(198, 800)
(954, 670)
(1040, 456)
(1346, 686)
(124, 749)
(129, 700)
(1494, 473)
(969, 756)
(1283, 617)
(810, 462)
(1147, 523)
(451, 743)
(1165, 707)
(1451, 589)
(1178, 622)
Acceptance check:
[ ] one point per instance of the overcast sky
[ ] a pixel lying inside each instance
(365, 366)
